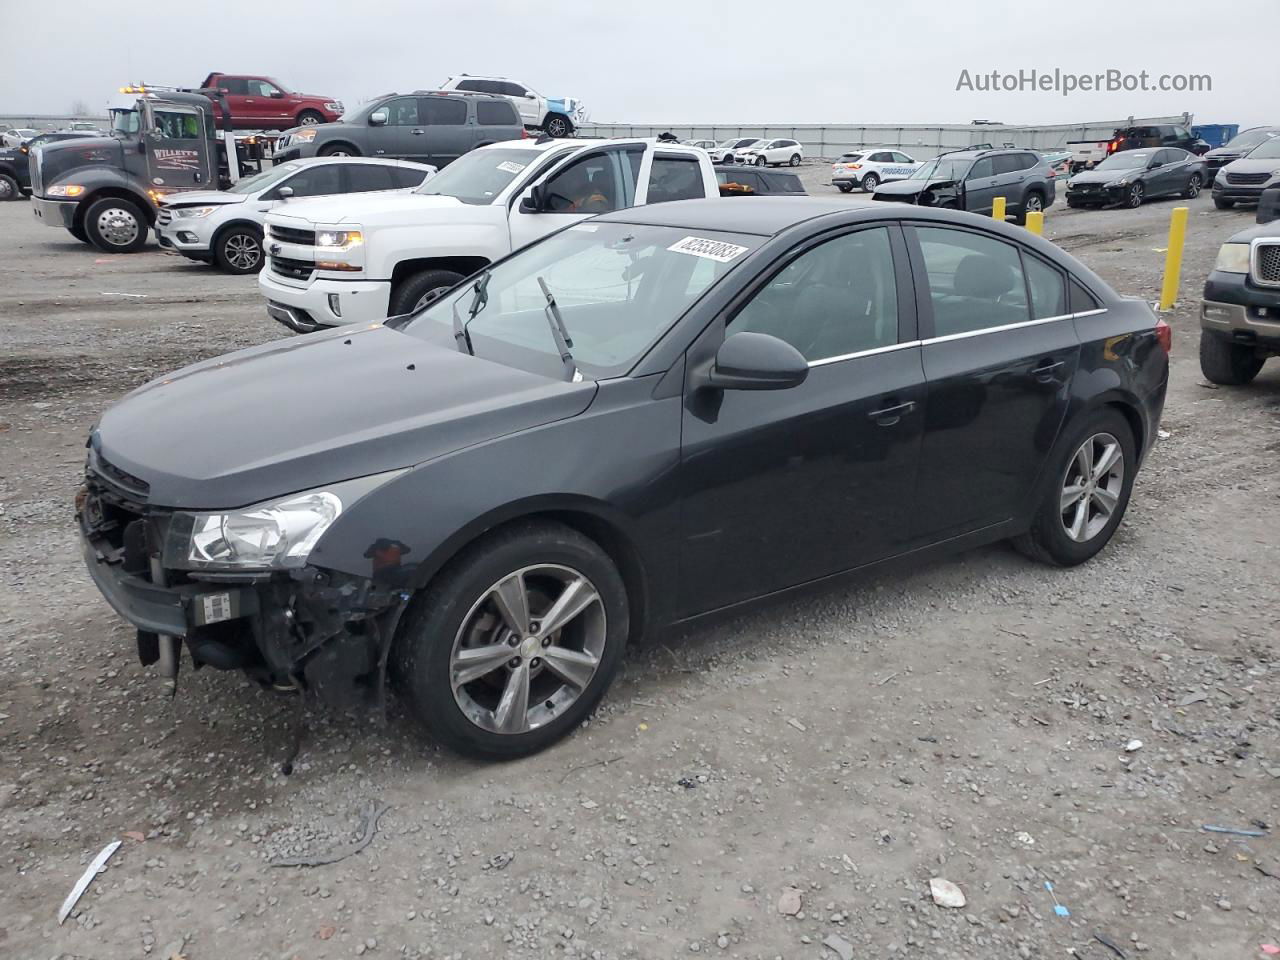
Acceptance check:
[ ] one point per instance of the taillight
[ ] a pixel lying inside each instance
(524, 134)
(1164, 336)
(1113, 146)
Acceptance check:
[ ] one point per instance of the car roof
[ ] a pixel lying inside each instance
(764, 216)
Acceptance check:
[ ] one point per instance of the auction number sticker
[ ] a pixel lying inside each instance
(510, 166)
(716, 250)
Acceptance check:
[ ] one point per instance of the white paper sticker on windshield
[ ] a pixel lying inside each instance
(716, 250)
(510, 166)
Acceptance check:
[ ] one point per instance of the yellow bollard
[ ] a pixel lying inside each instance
(1173, 258)
(1035, 222)
(997, 209)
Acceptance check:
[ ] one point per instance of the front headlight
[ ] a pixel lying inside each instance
(194, 211)
(65, 190)
(334, 106)
(1233, 258)
(1122, 182)
(305, 135)
(275, 535)
(339, 239)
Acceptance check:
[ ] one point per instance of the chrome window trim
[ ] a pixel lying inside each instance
(864, 353)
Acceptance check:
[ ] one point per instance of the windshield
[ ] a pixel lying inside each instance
(618, 286)
(849, 157)
(1267, 150)
(479, 176)
(125, 121)
(260, 181)
(943, 168)
(1126, 160)
(1250, 138)
(739, 144)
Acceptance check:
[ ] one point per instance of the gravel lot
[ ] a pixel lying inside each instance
(966, 719)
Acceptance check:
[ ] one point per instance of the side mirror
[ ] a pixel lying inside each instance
(1269, 205)
(277, 95)
(756, 361)
(536, 201)
(377, 118)
(284, 193)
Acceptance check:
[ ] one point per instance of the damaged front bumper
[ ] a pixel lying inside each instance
(309, 629)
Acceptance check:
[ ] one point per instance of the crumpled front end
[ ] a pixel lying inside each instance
(308, 629)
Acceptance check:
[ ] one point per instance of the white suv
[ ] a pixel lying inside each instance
(869, 168)
(557, 118)
(772, 153)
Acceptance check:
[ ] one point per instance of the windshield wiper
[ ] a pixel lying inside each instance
(479, 299)
(560, 334)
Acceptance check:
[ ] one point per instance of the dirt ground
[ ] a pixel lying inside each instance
(967, 719)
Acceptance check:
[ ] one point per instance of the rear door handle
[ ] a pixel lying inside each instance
(888, 416)
(1044, 373)
(417, 131)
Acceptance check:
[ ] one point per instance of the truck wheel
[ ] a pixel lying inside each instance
(238, 250)
(869, 182)
(414, 292)
(1086, 490)
(79, 234)
(115, 225)
(1227, 363)
(9, 189)
(339, 150)
(1223, 204)
(557, 126)
(309, 118)
(512, 646)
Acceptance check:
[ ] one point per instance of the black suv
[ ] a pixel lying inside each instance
(426, 126)
(972, 179)
(1157, 135)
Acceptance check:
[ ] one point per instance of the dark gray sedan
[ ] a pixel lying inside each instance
(1130, 177)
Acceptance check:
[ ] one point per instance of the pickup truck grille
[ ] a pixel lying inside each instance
(1266, 264)
(293, 269)
(1247, 179)
(291, 235)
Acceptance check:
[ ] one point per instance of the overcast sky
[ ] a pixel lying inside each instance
(665, 61)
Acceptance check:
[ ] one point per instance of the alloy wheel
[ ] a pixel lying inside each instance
(527, 649)
(1034, 203)
(1091, 487)
(1135, 195)
(1193, 187)
(242, 251)
(308, 121)
(119, 227)
(557, 128)
(870, 182)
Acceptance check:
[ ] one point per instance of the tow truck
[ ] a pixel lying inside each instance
(163, 140)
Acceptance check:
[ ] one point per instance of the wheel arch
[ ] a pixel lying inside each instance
(592, 518)
(465, 265)
(238, 222)
(329, 144)
(120, 193)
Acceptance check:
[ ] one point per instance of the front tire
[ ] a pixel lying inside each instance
(514, 644)
(115, 225)
(795, 160)
(309, 118)
(416, 291)
(238, 250)
(1227, 363)
(1223, 204)
(1133, 199)
(1085, 493)
(870, 182)
(338, 150)
(79, 234)
(558, 127)
(9, 189)
(761, 161)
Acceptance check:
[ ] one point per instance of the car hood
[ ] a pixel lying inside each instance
(306, 411)
(1249, 165)
(908, 188)
(1262, 231)
(1106, 176)
(205, 198)
(369, 208)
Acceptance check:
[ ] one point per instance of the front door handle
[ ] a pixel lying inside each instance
(1044, 373)
(888, 416)
(417, 131)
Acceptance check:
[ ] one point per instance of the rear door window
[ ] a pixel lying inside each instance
(493, 113)
(675, 178)
(975, 282)
(1048, 290)
(363, 177)
(443, 111)
(237, 86)
(1006, 163)
(510, 89)
(407, 176)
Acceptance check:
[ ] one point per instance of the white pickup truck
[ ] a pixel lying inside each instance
(362, 258)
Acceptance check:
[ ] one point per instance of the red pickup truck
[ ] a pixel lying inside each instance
(261, 103)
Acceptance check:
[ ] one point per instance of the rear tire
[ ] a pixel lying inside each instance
(870, 182)
(1223, 204)
(115, 225)
(238, 250)
(1050, 540)
(411, 293)
(1034, 203)
(1227, 363)
(457, 612)
(9, 189)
